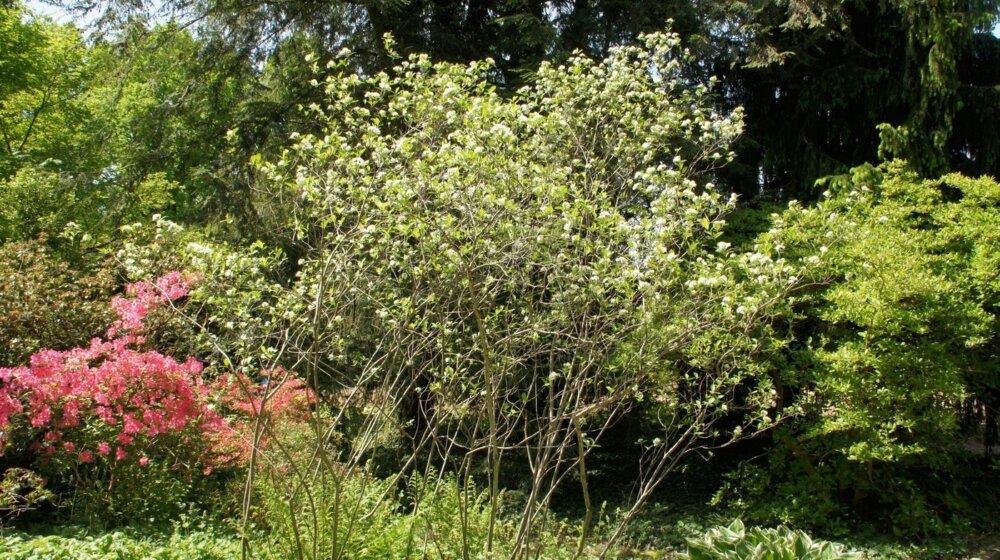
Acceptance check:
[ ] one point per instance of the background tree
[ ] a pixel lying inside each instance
(41, 117)
(817, 77)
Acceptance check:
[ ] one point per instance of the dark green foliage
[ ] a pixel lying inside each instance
(141, 495)
(975, 146)
(818, 78)
(827, 84)
(21, 490)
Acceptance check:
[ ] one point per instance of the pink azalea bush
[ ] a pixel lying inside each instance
(112, 407)
(279, 397)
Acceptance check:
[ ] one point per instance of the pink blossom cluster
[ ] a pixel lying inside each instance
(110, 400)
(276, 392)
(128, 398)
(280, 396)
(144, 297)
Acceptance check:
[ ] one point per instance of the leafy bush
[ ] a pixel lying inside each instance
(233, 309)
(735, 542)
(21, 490)
(45, 303)
(894, 344)
(76, 218)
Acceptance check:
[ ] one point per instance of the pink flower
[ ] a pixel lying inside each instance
(103, 412)
(86, 457)
(103, 449)
(71, 413)
(42, 417)
(69, 446)
(120, 454)
(9, 405)
(144, 461)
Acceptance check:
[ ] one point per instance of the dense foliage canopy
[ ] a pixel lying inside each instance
(834, 71)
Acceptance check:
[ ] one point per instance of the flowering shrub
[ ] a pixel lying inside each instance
(111, 406)
(141, 399)
(110, 400)
(509, 275)
(278, 394)
(278, 397)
